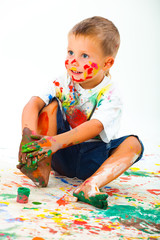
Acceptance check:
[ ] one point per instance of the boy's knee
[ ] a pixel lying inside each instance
(135, 144)
(51, 108)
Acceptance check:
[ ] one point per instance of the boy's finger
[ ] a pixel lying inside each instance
(30, 149)
(36, 137)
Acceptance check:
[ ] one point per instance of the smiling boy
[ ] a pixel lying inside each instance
(75, 123)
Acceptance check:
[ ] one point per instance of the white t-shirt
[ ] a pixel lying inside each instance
(79, 105)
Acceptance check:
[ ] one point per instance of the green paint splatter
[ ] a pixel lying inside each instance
(131, 199)
(36, 203)
(7, 196)
(81, 216)
(137, 173)
(49, 153)
(30, 208)
(128, 212)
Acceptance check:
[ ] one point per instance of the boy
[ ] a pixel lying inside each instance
(74, 124)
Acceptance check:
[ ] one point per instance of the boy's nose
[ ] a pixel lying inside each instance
(75, 62)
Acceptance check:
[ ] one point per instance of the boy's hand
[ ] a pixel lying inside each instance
(38, 150)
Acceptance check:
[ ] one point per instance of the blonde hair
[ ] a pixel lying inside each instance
(103, 30)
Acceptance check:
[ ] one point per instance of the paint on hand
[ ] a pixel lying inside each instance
(99, 200)
(23, 194)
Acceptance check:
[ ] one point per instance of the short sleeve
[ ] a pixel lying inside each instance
(108, 112)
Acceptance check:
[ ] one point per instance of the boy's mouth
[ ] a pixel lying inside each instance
(76, 72)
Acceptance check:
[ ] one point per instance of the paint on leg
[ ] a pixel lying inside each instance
(43, 123)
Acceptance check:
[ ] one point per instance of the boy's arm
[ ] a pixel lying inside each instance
(50, 144)
(82, 133)
(31, 112)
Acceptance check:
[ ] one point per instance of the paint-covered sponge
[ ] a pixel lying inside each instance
(23, 194)
(99, 200)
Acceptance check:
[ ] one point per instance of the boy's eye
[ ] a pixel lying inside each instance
(71, 53)
(84, 55)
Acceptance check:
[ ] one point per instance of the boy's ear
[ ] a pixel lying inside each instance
(109, 61)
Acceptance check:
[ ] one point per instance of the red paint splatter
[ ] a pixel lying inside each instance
(56, 83)
(86, 66)
(154, 191)
(94, 65)
(71, 88)
(43, 123)
(88, 77)
(111, 191)
(94, 232)
(75, 116)
(61, 201)
(90, 70)
(79, 222)
(66, 62)
(52, 231)
(74, 61)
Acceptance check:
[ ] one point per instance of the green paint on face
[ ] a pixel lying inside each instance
(99, 200)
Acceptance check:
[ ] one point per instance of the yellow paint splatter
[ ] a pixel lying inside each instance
(135, 168)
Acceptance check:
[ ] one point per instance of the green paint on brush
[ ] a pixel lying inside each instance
(129, 212)
(99, 200)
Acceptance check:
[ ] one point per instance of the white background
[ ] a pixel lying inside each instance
(33, 41)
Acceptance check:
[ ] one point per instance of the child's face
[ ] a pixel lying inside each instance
(85, 61)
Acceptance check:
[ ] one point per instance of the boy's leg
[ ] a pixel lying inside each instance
(47, 125)
(120, 160)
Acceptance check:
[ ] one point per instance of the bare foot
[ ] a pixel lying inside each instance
(37, 171)
(89, 192)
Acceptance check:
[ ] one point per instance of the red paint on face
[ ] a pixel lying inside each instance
(77, 80)
(66, 62)
(88, 77)
(74, 61)
(86, 66)
(94, 65)
(90, 70)
(43, 123)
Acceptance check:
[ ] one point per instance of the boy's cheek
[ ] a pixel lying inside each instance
(66, 63)
(90, 69)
